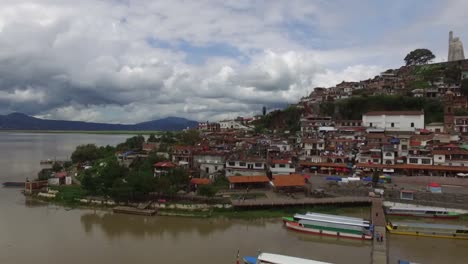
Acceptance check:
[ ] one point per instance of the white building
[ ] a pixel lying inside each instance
(282, 167)
(209, 163)
(233, 124)
(245, 167)
(394, 120)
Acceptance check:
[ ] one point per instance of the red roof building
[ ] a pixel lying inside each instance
(293, 180)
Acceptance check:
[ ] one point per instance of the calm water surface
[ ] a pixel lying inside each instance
(32, 232)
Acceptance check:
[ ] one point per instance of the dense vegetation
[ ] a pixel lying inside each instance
(354, 107)
(107, 177)
(287, 119)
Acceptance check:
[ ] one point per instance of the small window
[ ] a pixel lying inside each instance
(426, 161)
(388, 154)
(412, 124)
(258, 165)
(413, 161)
(392, 124)
(282, 166)
(232, 163)
(242, 164)
(440, 157)
(370, 124)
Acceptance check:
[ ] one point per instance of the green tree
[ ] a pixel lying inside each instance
(190, 137)
(57, 167)
(419, 57)
(207, 190)
(44, 174)
(89, 183)
(464, 87)
(152, 138)
(375, 178)
(132, 143)
(84, 153)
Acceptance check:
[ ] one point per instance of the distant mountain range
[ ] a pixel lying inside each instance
(19, 121)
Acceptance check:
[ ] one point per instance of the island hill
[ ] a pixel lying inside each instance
(19, 121)
(405, 121)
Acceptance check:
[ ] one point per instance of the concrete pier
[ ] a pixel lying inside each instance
(379, 249)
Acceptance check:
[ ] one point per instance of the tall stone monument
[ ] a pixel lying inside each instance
(455, 48)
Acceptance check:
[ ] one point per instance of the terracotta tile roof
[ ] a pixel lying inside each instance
(60, 174)
(164, 164)
(374, 113)
(322, 164)
(450, 152)
(293, 180)
(200, 181)
(248, 179)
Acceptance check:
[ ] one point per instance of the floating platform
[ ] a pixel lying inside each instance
(133, 210)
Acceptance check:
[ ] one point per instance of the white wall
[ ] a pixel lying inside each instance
(401, 122)
(288, 169)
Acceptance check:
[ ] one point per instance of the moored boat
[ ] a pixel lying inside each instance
(269, 258)
(14, 184)
(329, 225)
(428, 230)
(422, 212)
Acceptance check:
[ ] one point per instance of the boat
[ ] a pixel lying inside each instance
(422, 212)
(269, 258)
(330, 225)
(14, 184)
(428, 230)
(400, 261)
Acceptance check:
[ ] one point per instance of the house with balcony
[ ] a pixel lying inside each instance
(450, 155)
(419, 156)
(183, 156)
(312, 146)
(245, 166)
(282, 167)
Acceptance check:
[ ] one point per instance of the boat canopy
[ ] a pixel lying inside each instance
(334, 221)
(338, 217)
(282, 259)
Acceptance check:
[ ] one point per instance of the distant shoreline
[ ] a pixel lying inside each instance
(95, 132)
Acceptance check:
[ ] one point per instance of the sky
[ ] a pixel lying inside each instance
(128, 61)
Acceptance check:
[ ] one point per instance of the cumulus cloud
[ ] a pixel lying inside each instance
(132, 61)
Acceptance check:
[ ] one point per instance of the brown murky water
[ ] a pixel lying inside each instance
(32, 232)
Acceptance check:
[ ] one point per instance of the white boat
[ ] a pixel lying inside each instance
(269, 258)
(339, 221)
(422, 212)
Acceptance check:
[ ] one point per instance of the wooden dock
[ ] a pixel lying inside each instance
(133, 210)
(379, 248)
(276, 202)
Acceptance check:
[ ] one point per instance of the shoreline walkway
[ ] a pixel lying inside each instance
(379, 248)
(239, 203)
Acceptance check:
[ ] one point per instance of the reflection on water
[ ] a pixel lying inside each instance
(116, 225)
(37, 232)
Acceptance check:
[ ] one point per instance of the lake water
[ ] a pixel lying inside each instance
(32, 232)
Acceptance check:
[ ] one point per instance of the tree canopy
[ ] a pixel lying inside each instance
(464, 87)
(419, 57)
(91, 152)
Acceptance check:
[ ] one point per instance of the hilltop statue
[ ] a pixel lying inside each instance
(455, 48)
